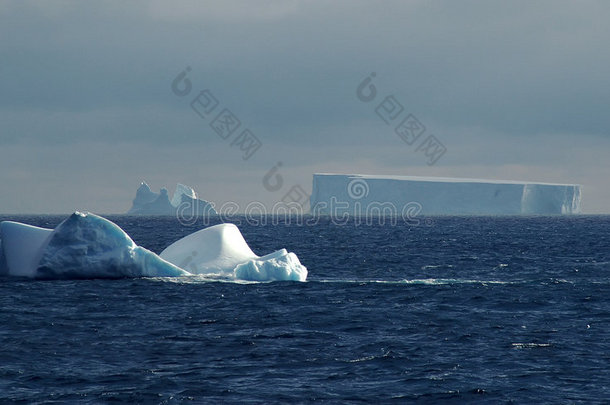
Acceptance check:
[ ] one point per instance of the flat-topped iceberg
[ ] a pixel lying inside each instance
(88, 246)
(370, 195)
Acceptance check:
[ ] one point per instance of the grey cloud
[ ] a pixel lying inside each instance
(504, 77)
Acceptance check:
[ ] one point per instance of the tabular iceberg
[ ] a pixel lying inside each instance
(89, 246)
(184, 201)
(355, 194)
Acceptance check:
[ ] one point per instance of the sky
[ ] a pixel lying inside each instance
(92, 102)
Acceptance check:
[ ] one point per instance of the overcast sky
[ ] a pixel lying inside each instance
(515, 90)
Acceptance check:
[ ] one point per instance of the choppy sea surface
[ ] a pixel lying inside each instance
(452, 310)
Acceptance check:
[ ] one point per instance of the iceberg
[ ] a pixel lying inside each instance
(88, 246)
(183, 201)
(221, 250)
(280, 265)
(369, 195)
(82, 246)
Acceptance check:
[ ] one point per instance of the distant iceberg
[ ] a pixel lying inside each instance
(184, 200)
(356, 194)
(86, 246)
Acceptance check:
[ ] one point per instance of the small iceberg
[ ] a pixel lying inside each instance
(222, 250)
(86, 246)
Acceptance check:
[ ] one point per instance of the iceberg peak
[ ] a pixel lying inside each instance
(182, 190)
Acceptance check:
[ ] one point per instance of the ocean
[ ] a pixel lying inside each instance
(449, 310)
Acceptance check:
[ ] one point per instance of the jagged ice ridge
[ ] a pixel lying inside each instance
(184, 201)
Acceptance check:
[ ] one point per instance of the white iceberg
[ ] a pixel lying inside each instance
(184, 201)
(279, 265)
(222, 250)
(82, 246)
(88, 246)
(369, 195)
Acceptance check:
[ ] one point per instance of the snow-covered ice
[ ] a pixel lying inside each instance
(89, 246)
(222, 250)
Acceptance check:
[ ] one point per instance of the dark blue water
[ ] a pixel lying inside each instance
(462, 310)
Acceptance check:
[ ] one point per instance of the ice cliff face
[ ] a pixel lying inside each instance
(184, 199)
(340, 194)
(550, 199)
